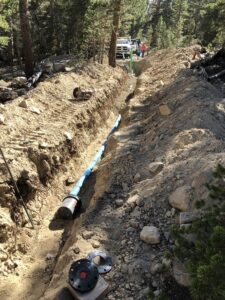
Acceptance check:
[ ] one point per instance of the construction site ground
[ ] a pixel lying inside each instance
(171, 136)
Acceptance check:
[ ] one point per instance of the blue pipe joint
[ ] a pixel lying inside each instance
(71, 204)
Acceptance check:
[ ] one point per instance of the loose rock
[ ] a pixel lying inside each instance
(119, 202)
(87, 234)
(68, 136)
(165, 110)
(35, 110)
(95, 244)
(189, 217)
(23, 104)
(180, 274)
(156, 167)
(181, 198)
(150, 235)
(133, 201)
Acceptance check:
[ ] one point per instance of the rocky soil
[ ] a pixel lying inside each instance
(156, 166)
(48, 139)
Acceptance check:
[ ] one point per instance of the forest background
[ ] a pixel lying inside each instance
(37, 29)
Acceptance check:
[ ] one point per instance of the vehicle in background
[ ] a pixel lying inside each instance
(123, 47)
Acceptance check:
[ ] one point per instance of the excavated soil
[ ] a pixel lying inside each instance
(48, 142)
(187, 138)
(174, 118)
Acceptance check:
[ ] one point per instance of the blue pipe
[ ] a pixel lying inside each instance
(72, 202)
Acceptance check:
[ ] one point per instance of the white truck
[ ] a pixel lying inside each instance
(123, 47)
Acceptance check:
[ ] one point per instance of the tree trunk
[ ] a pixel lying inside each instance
(26, 37)
(116, 21)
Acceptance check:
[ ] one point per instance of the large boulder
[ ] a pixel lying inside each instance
(181, 198)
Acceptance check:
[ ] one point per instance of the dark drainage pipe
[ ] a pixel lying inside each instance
(33, 79)
(72, 203)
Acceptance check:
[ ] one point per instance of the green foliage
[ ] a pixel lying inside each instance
(164, 35)
(132, 17)
(4, 28)
(188, 21)
(6, 9)
(179, 13)
(205, 257)
(83, 27)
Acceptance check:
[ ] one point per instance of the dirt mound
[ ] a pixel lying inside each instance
(171, 138)
(41, 131)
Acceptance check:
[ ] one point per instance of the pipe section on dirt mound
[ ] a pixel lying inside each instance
(72, 203)
(33, 79)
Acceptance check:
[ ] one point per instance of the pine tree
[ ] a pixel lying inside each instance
(116, 20)
(220, 37)
(179, 13)
(154, 15)
(205, 257)
(163, 35)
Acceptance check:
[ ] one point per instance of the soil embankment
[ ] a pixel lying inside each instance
(170, 140)
(48, 140)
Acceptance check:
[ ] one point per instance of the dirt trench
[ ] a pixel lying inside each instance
(52, 140)
(175, 121)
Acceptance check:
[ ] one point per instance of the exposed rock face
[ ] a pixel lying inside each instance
(150, 235)
(181, 198)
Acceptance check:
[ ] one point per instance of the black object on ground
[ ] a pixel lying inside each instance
(83, 94)
(83, 275)
(213, 67)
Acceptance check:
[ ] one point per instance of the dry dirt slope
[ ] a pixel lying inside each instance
(176, 121)
(48, 138)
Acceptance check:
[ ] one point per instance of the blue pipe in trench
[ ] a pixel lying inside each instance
(72, 202)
